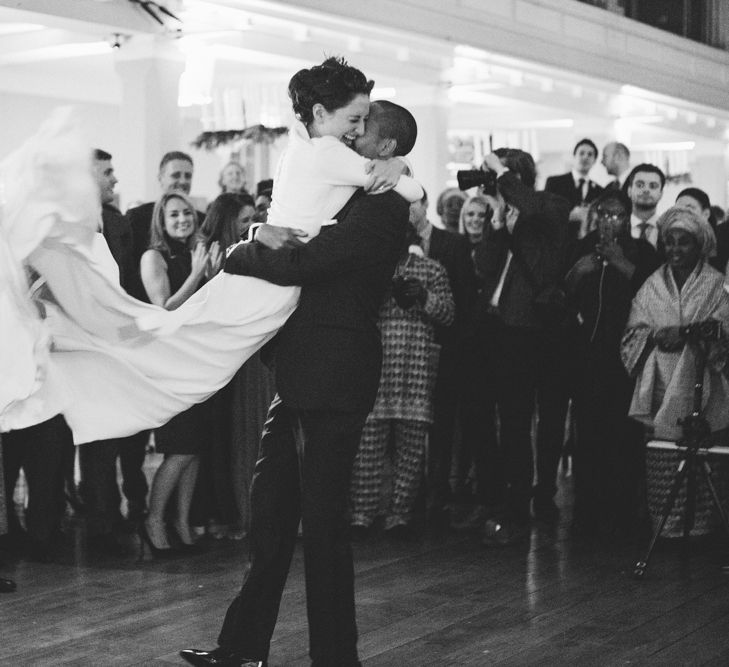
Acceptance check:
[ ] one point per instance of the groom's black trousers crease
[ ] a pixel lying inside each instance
(303, 471)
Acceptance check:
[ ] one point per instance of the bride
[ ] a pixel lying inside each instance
(112, 365)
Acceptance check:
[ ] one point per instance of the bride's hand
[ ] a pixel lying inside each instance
(275, 237)
(384, 174)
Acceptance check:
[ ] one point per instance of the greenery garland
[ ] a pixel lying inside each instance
(258, 134)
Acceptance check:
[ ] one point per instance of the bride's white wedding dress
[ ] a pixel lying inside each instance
(112, 365)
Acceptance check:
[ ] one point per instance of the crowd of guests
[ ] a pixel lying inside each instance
(518, 305)
(165, 251)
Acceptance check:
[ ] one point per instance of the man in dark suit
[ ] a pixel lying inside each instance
(576, 187)
(454, 253)
(97, 460)
(175, 175)
(327, 364)
(616, 160)
(524, 253)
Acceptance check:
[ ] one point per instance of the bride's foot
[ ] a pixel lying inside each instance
(184, 533)
(157, 534)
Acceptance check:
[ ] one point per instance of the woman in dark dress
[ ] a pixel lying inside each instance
(238, 409)
(175, 266)
(609, 267)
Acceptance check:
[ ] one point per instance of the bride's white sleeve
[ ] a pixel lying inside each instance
(339, 165)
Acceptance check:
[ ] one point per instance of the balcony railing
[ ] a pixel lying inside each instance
(705, 21)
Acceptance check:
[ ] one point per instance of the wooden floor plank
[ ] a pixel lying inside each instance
(438, 601)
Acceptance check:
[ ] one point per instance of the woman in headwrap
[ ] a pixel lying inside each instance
(674, 318)
(685, 291)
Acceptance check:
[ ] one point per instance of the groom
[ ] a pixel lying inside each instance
(328, 361)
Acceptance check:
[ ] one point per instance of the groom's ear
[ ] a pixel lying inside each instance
(387, 147)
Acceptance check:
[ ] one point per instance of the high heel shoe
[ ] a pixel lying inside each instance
(157, 552)
(7, 585)
(185, 547)
(184, 534)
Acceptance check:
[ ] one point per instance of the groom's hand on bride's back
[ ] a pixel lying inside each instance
(239, 259)
(275, 237)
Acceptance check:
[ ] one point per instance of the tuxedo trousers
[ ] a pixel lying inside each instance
(303, 473)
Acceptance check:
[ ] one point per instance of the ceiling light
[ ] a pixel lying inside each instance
(58, 52)
(639, 120)
(19, 28)
(666, 146)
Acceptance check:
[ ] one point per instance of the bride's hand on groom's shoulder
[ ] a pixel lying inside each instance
(384, 175)
(275, 237)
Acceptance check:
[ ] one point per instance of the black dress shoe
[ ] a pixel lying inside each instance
(217, 658)
(360, 533)
(7, 585)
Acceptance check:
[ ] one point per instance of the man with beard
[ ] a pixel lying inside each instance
(645, 189)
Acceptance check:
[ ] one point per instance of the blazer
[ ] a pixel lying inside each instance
(453, 252)
(541, 236)
(329, 352)
(564, 186)
(118, 234)
(722, 247)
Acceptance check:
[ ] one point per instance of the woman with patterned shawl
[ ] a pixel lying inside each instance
(685, 291)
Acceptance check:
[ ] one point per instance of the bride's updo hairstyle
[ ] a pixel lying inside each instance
(333, 84)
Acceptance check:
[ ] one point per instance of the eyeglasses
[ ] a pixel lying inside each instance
(610, 216)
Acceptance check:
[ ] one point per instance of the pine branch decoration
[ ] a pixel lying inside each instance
(258, 134)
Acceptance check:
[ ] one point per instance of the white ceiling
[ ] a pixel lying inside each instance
(62, 48)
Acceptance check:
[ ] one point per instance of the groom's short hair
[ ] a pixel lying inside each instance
(396, 122)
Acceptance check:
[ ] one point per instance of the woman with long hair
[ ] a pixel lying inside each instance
(238, 410)
(175, 266)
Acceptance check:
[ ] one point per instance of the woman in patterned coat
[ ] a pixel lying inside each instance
(420, 297)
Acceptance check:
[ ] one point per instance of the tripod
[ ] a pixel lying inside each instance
(693, 446)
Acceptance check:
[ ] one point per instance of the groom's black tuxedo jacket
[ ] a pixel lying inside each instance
(329, 352)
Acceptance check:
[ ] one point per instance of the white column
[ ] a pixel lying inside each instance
(149, 120)
(429, 158)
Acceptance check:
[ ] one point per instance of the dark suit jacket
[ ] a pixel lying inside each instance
(118, 235)
(329, 352)
(140, 220)
(564, 186)
(541, 238)
(454, 252)
(722, 247)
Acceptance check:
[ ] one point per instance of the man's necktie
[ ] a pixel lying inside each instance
(643, 226)
(581, 188)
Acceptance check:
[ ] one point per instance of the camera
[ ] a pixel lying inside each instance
(707, 331)
(475, 178)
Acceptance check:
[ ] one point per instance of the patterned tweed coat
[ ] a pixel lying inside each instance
(410, 353)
